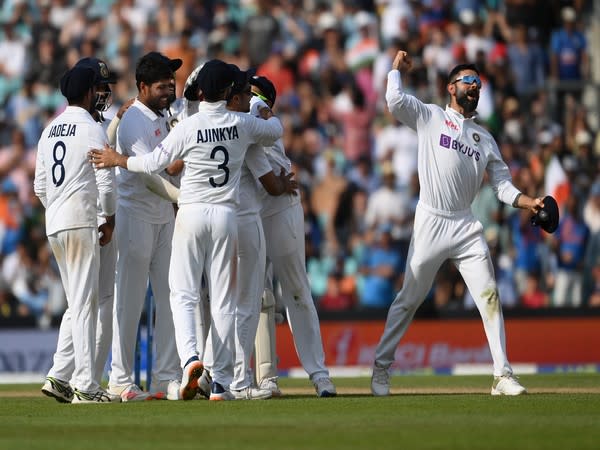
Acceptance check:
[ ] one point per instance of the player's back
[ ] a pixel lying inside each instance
(215, 142)
(64, 172)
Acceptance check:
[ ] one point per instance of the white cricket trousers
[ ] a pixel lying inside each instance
(77, 254)
(144, 251)
(438, 236)
(205, 239)
(251, 283)
(106, 289)
(284, 236)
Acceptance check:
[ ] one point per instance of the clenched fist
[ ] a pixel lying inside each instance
(402, 61)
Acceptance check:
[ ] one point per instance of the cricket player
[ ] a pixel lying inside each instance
(454, 152)
(144, 231)
(70, 189)
(213, 145)
(251, 247)
(283, 222)
(108, 253)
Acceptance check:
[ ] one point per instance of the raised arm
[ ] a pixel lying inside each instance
(404, 107)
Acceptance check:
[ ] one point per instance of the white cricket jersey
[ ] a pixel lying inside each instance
(140, 130)
(212, 144)
(453, 150)
(272, 204)
(65, 180)
(255, 166)
(101, 218)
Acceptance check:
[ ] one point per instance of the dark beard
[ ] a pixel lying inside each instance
(467, 105)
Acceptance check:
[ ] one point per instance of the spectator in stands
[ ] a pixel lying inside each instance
(591, 217)
(340, 294)
(388, 206)
(570, 242)
(259, 33)
(381, 268)
(534, 296)
(594, 297)
(569, 61)
(526, 59)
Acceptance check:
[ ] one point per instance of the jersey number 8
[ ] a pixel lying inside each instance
(58, 169)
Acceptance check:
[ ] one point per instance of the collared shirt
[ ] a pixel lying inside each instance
(140, 130)
(453, 152)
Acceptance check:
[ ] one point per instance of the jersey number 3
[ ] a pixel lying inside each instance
(58, 169)
(222, 166)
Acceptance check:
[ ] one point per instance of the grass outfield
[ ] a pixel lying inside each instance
(562, 411)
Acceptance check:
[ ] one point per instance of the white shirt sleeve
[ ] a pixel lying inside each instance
(257, 161)
(500, 178)
(104, 177)
(406, 108)
(170, 149)
(39, 182)
(264, 132)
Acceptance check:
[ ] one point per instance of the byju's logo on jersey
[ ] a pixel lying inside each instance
(447, 142)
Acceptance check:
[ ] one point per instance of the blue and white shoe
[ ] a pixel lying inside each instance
(219, 393)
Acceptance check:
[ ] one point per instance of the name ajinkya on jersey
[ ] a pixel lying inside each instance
(218, 134)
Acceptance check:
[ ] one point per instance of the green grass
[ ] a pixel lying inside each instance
(562, 412)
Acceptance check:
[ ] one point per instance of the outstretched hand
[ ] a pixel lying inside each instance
(107, 157)
(402, 61)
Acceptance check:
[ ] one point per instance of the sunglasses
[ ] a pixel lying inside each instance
(262, 97)
(469, 79)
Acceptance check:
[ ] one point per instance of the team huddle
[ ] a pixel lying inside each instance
(205, 259)
(238, 224)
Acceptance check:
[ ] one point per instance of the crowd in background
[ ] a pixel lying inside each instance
(357, 166)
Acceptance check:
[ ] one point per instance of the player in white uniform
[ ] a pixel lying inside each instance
(108, 252)
(251, 248)
(454, 152)
(283, 223)
(69, 188)
(213, 145)
(144, 232)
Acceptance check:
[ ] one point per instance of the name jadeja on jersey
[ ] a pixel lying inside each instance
(62, 130)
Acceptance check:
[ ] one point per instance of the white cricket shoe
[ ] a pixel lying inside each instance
(60, 390)
(99, 396)
(324, 387)
(204, 384)
(270, 384)
(130, 393)
(507, 385)
(219, 393)
(251, 393)
(380, 381)
(189, 383)
(166, 390)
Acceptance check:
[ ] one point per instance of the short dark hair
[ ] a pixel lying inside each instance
(151, 70)
(459, 69)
